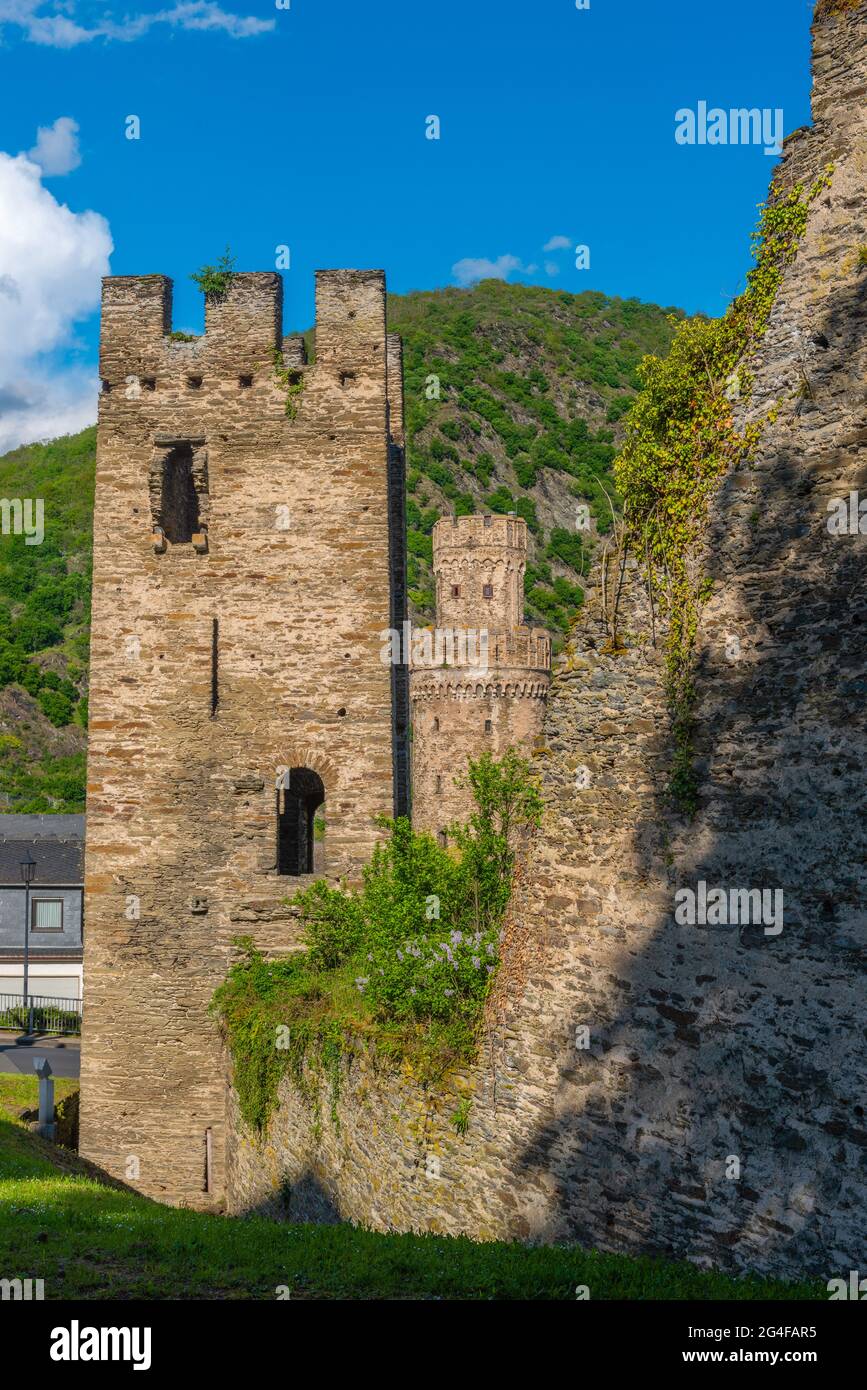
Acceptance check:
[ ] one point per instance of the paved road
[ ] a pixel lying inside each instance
(64, 1054)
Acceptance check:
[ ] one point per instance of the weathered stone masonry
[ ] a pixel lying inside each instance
(246, 564)
(704, 1044)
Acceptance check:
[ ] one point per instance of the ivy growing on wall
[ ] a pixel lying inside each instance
(681, 437)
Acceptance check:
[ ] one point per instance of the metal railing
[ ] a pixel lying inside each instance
(40, 1013)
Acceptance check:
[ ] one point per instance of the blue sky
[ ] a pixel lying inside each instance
(306, 127)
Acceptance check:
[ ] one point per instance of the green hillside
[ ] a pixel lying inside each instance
(514, 396)
(44, 617)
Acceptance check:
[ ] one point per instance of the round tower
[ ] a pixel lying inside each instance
(479, 679)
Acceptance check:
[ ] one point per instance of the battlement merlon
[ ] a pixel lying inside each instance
(243, 326)
(350, 320)
(136, 318)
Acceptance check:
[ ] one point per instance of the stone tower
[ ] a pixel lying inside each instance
(244, 730)
(480, 680)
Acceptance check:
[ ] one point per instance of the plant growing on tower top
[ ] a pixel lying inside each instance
(214, 280)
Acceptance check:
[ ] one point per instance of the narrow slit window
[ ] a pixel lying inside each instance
(215, 667)
(179, 502)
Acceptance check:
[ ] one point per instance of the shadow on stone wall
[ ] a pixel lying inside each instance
(711, 1042)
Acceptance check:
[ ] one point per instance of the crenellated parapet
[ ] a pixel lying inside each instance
(242, 364)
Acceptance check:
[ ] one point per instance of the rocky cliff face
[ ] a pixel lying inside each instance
(650, 1084)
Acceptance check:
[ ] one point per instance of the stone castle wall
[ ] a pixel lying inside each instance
(219, 659)
(646, 1086)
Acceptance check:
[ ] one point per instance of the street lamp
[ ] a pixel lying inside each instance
(28, 873)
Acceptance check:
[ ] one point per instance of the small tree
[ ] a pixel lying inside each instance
(214, 280)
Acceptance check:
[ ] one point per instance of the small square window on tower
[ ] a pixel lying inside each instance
(488, 726)
(436, 725)
(487, 591)
(456, 591)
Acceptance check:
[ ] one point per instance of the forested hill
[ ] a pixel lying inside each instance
(513, 398)
(532, 384)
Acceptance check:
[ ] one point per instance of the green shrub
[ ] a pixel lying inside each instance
(56, 707)
(567, 547)
(214, 280)
(405, 961)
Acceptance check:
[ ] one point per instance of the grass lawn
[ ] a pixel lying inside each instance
(90, 1240)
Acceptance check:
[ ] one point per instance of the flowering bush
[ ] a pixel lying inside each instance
(424, 928)
(403, 962)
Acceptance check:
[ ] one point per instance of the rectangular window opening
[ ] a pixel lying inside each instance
(46, 914)
(179, 500)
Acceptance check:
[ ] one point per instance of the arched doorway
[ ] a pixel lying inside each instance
(300, 794)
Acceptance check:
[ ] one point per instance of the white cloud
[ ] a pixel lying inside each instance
(40, 22)
(51, 264)
(552, 268)
(557, 243)
(56, 149)
(45, 406)
(471, 269)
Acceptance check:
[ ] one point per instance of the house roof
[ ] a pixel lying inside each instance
(56, 843)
